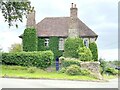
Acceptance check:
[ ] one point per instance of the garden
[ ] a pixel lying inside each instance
(77, 62)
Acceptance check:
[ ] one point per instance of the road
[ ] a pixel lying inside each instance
(40, 83)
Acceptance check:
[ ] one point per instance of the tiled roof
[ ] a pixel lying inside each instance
(59, 26)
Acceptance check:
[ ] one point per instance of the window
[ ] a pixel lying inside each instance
(46, 42)
(86, 42)
(61, 44)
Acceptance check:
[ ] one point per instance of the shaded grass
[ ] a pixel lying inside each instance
(22, 72)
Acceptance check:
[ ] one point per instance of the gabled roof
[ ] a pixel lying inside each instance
(59, 26)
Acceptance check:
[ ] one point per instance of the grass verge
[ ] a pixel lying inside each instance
(35, 73)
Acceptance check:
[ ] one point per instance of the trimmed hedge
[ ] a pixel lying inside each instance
(71, 47)
(69, 62)
(85, 54)
(30, 40)
(41, 59)
(94, 50)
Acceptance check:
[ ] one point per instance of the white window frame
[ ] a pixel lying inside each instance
(86, 42)
(61, 43)
(46, 43)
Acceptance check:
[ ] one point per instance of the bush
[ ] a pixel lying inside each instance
(85, 72)
(30, 40)
(85, 54)
(71, 47)
(41, 59)
(67, 62)
(94, 51)
(111, 71)
(63, 70)
(73, 70)
(32, 70)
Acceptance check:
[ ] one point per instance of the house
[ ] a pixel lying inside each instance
(62, 27)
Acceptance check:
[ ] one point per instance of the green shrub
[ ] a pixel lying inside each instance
(85, 72)
(32, 70)
(68, 62)
(71, 46)
(30, 40)
(85, 54)
(63, 70)
(94, 51)
(111, 71)
(73, 70)
(41, 59)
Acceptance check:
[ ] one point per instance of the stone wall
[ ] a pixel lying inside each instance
(94, 67)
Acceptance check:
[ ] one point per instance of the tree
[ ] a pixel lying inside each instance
(15, 10)
(16, 47)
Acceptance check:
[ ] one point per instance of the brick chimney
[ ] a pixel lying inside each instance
(73, 10)
(31, 20)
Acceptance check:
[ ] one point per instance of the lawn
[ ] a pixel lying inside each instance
(35, 73)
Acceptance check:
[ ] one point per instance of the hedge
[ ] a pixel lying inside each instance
(41, 59)
(94, 50)
(85, 54)
(71, 46)
(30, 40)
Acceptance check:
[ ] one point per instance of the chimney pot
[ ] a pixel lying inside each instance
(71, 5)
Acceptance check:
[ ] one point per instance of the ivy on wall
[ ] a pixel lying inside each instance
(30, 40)
(53, 45)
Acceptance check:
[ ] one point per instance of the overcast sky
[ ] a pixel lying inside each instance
(100, 15)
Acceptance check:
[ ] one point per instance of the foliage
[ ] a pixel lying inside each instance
(63, 70)
(32, 70)
(15, 10)
(16, 47)
(103, 65)
(84, 72)
(94, 51)
(73, 70)
(68, 62)
(71, 47)
(111, 71)
(41, 46)
(30, 40)
(54, 46)
(84, 54)
(41, 59)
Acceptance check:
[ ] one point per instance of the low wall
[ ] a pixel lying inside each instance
(94, 67)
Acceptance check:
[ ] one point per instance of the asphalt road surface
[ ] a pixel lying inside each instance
(40, 83)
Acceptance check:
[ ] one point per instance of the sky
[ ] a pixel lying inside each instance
(99, 15)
